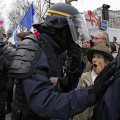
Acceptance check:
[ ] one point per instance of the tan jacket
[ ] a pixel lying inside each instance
(85, 80)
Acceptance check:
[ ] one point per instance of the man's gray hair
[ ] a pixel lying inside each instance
(105, 36)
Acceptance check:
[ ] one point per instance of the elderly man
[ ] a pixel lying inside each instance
(3, 85)
(100, 37)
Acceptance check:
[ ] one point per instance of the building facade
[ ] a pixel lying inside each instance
(114, 17)
(113, 25)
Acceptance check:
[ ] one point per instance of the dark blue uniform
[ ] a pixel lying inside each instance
(3, 85)
(108, 107)
(35, 96)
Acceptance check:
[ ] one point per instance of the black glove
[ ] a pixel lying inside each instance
(75, 52)
(104, 79)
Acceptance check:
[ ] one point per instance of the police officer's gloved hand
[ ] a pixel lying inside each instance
(104, 79)
(76, 67)
(75, 53)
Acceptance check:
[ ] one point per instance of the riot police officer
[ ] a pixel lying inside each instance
(3, 85)
(36, 61)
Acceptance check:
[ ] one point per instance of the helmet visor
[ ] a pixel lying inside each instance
(78, 28)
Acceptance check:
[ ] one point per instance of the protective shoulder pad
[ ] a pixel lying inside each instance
(32, 37)
(8, 51)
(25, 59)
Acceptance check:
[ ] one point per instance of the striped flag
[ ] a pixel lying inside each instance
(28, 19)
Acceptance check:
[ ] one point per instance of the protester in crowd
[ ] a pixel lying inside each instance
(116, 47)
(114, 39)
(113, 47)
(99, 57)
(21, 36)
(10, 84)
(3, 81)
(100, 37)
(86, 45)
(9, 100)
(36, 60)
(3, 84)
(3, 37)
(9, 36)
(108, 107)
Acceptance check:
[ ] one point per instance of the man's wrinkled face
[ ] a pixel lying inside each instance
(98, 62)
(99, 39)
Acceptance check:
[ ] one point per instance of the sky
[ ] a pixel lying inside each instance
(84, 5)
(5, 7)
(81, 5)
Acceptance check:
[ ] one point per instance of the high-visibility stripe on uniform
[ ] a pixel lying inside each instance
(58, 12)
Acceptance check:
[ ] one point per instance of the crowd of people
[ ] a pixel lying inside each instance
(49, 76)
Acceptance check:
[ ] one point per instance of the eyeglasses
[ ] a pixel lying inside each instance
(98, 38)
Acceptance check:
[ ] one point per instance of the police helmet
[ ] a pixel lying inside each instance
(67, 18)
(57, 15)
(62, 14)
